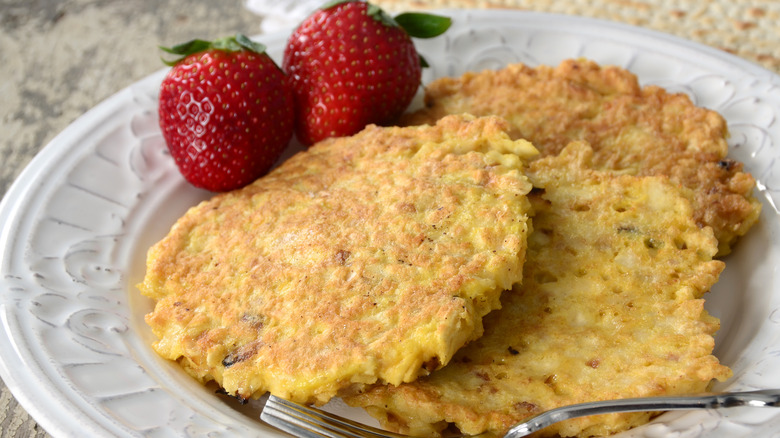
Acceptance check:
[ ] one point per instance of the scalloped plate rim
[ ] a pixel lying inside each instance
(17, 200)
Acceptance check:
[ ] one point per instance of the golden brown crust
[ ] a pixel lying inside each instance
(610, 307)
(357, 261)
(636, 130)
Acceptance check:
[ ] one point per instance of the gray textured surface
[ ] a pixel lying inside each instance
(60, 58)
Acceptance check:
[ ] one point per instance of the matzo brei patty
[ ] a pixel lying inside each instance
(642, 131)
(610, 307)
(368, 258)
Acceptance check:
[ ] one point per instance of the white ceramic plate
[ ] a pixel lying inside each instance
(76, 224)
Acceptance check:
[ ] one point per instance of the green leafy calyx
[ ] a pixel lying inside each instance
(333, 3)
(230, 44)
(420, 25)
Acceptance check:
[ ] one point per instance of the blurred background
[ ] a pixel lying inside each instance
(60, 58)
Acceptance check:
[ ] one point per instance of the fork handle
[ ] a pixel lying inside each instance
(761, 398)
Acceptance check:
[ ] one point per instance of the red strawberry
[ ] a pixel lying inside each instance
(351, 64)
(226, 112)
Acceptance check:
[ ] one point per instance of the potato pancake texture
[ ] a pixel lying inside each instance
(610, 307)
(632, 129)
(364, 259)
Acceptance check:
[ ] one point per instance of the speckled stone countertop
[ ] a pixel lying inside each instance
(60, 58)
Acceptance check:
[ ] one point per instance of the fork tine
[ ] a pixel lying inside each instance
(296, 421)
(309, 422)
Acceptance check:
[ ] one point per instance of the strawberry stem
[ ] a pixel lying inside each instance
(380, 15)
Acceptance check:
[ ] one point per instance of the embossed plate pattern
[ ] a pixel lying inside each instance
(76, 224)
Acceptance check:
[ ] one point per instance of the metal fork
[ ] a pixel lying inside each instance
(308, 422)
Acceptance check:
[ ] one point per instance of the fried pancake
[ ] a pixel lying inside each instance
(368, 258)
(610, 307)
(640, 131)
